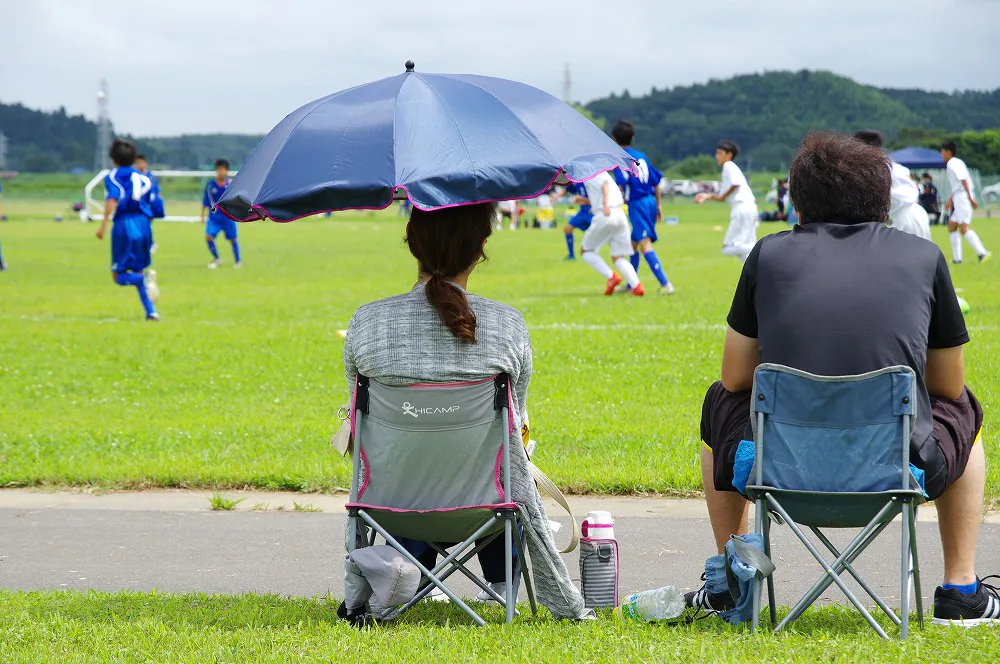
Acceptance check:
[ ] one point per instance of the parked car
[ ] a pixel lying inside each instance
(991, 194)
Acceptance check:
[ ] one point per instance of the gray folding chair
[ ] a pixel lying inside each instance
(432, 463)
(834, 452)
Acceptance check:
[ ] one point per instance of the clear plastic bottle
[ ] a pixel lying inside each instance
(652, 605)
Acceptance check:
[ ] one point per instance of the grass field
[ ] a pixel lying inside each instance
(240, 383)
(131, 627)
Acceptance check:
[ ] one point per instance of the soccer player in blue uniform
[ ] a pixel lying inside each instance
(642, 195)
(155, 198)
(127, 203)
(581, 220)
(217, 221)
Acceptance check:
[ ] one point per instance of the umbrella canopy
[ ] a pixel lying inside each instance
(917, 158)
(440, 140)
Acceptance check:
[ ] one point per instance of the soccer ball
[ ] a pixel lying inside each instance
(963, 305)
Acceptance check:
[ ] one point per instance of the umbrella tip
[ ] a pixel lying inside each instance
(410, 65)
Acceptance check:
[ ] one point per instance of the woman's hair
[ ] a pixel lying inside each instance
(446, 243)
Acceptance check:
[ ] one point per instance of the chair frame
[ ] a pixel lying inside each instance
(903, 502)
(455, 561)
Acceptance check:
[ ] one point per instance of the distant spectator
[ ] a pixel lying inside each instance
(782, 190)
(929, 199)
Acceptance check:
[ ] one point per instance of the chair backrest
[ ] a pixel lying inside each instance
(431, 447)
(833, 434)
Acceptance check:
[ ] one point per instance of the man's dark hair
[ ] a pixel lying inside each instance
(837, 178)
(122, 153)
(950, 147)
(925, 175)
(623, 132)
(222, 162)
(729, 146)
(140, 156)
(869, 136)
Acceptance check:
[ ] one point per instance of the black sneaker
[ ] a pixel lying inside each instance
(953, 607)
(702, 599)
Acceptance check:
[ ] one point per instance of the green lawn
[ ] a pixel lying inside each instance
(131, 627)
(240, 383)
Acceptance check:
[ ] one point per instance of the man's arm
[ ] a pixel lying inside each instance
(722, 197)
(659, 202)
(605, 208)
(740, 357)
(944, 375)
(110, 205)
(968, 191)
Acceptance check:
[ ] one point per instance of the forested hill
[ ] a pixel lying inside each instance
(767, 114)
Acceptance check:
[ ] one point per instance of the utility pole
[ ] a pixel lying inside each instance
(101, 159)
(567, 85)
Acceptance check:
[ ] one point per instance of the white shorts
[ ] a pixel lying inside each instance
(913, 219)
(612, 230)
(741, 235)
(962, 211)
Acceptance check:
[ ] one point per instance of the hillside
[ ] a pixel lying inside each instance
(767, 114)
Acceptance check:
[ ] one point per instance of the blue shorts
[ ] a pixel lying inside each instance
(581, 220)
(224, 225)
(642, 215)
(131, 238)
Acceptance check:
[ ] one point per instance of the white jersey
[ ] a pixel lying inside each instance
(958, 171)
(595, 193)
(732, 175)
(545, 202)
(904, 190)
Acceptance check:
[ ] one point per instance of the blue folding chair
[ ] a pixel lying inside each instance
(834, 452)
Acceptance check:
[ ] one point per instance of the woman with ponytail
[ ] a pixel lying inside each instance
(440, 333)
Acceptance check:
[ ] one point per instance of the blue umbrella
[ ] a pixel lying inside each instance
(439, 140)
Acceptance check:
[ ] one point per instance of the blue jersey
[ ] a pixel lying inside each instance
(642, 185)
(131, 189)
(577, 189)
(213, 194)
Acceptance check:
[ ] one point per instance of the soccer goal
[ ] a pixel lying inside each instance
(93, 209)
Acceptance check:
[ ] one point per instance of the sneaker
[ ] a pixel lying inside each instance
(703, 600)
(237, 265)
(436, 595)
(665, 290)
(153, 318)
(954, 262)
(499, 588)
(638, 291)
(953, 607)
(152, 290)
(613, 283)
(214, 264)
(985, 257)
(570, 258)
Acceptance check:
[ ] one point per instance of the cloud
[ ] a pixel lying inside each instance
(203, 66)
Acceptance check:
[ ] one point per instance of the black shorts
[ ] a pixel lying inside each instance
(725, 421)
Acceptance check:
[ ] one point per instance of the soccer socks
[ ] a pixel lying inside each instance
(634, 261)
(977, 244)
(211, 247)
(236, 251)
(136, 279)
(956, 246)
(967, 589)
(627, 271)
(653, 261)
(569, 245)
(594, 260)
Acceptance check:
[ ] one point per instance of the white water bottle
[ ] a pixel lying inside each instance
(652, 605)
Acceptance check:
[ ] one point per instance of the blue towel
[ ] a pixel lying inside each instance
(918, 476)
(743, 465)
(744, 573)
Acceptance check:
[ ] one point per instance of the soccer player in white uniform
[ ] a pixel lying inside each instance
(609, 226)
(905, 212)
(741, 235)
(961, 203)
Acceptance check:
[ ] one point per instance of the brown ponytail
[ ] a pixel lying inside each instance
(446, 243)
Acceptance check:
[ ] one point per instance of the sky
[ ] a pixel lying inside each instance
(203, 66)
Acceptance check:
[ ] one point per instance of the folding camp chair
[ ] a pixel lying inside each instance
(432, 463)
(834, 452)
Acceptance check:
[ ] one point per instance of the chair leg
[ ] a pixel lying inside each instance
(904, 576)
(915, 566)
(525, 572)
(760, 517)
(509, 567)
(770, 579)
(846, 567)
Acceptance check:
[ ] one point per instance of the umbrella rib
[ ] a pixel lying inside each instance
(458, 131)
(526, 127)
